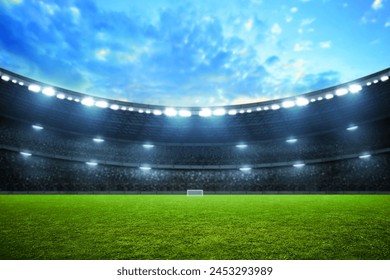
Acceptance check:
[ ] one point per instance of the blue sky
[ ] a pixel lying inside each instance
(194, 53)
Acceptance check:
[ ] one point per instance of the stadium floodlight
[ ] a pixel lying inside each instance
(292, 140)
(365, 156)
(98, 140)
(299, 165)
(145, 168)
(266, 108)
(194, 192)
(205, 112)
(141, 111)
(170, 112)
(21, 84)
(288, 104)
(77, 100)
(352, 127)
(245, 169)
(34, 88)
(341, 91)
(101, 104)
(355, 88)
(60, 96)
(148, 146)
(25, 154)
(5, 78)
(258, 109)
(88, 101)
(375, 81)
(384, 78)
(91, 163)
(242, 111)
(275, 106)
(241, 146)
(148, 111)
(70, 98)
(114, 107)
(14, 81)
(313, 100)
(219, 112)
(48, 91)
(369, 84)
(320, 98)
(329, 96)
(37, 127)
(301, 101)
(232, 112)
(131, 109)
(124, 108)
(185, 113)
(249, 111)
(157, 112)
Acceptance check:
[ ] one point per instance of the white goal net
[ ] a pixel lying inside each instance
(194, 192)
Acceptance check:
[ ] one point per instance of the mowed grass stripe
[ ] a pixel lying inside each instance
(208, 227)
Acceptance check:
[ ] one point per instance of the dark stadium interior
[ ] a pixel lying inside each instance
(194, 152)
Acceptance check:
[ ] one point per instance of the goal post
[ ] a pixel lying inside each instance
(194, 192)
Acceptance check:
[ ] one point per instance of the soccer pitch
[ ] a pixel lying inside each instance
(171, 227)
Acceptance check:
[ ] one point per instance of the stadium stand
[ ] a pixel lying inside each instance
(46, 175)
(370, 136)
(194, 152)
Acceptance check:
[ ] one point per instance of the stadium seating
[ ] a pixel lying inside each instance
(336, 143)
(31, 174)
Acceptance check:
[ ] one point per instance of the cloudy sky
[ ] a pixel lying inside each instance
(191, 52)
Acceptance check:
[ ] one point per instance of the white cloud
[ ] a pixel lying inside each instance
(75, 12)
(326, 44)
(298, 47)
(387, 24)
(307, 21)
(304, 25)
(294, 9)
(276, 29)
(208, 19)
(377, 4)
(303, 46)
(249, 25)
(13, 2)
(50, 9)
(289, 18)
(102, 54)
(367, 20)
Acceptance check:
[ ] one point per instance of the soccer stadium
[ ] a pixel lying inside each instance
(195, 130)
(301, 178)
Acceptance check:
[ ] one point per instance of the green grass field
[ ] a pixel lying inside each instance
(180, 227)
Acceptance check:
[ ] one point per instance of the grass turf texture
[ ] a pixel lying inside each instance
(181, 227)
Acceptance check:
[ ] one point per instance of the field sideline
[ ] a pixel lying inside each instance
(179, 227)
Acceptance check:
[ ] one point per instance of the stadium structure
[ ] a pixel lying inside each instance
(336, 140)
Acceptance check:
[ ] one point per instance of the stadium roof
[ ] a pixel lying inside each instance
(351, 87)
(354, 102)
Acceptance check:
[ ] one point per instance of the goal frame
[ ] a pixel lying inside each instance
(194, 192)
